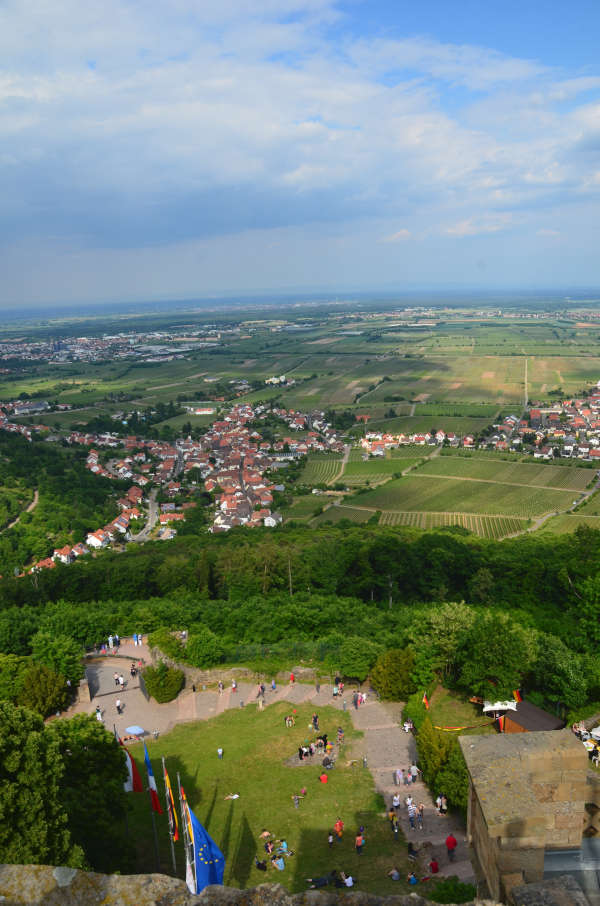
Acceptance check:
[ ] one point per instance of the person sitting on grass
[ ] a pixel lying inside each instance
(394, 874)
(232, 796)
(412, 878)
(324, 778)
(269, 847)
(265, 834)
(262, 866)
(412, 852)
(278, 862)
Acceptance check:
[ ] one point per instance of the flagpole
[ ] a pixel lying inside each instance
(126, 802)
(168, 804)
(156, 850)
(190, 869)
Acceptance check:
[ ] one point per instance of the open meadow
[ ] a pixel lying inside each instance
(261, 764)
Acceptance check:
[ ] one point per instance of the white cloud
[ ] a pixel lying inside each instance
(545, 231)
(479, 226)
(399, 236)
(126, 123)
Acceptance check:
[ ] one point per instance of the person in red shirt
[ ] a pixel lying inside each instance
(451, 845)
(434, 867)
(339, 828)
(324, 778)
(292, 679)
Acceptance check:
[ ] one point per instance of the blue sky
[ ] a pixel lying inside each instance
(152, 150)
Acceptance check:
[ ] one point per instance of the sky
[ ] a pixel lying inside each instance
(153, 150)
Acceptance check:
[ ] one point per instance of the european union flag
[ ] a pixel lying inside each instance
(204, 855)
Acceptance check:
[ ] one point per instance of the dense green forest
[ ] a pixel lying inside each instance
(72, 501)
(529, 617)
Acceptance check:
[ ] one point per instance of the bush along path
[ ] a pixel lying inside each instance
(385, 746)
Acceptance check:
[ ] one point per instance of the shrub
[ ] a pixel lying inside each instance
(391, 675)
(451, 890)
(43, 691)
(203, 648)
(163, 683)
(165, 641)
(357, 656)
(60, 653)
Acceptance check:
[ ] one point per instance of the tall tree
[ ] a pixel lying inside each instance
(33, 820)
(91, 790)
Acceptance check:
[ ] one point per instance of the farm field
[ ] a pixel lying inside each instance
(303, 507)
(319, 470)
(592, 507)
(567, 523)
(417, 493)
(514, 473)
(417, 424)
(485, 526)
(337, 513)
(374, 470)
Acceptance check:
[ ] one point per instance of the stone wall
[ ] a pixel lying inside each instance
(40, 885)
(528, 794)
(37, 885)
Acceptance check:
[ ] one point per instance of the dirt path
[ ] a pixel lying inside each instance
(28, 509)
(343, 465)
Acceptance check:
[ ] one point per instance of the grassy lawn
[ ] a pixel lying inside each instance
(449, 709)
(260, 763)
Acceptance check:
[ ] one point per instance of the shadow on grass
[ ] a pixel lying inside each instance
(245, 851)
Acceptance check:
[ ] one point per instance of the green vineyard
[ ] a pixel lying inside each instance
(319, 471)
(484, 526)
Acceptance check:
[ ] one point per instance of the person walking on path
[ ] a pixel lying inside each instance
(273, 686)
(121, 682)
(292, 679)
(407, 777)
(99, 714)
(220, 687)
(399, 777)
(412, 814)
(420, 815)
(116, 678)
(118, 706)
(355, 700)
(451, 844)
(414, 772)
(396, 802)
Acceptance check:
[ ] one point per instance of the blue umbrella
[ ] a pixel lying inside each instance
(135, 731)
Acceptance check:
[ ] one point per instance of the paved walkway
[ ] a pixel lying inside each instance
(384, 743)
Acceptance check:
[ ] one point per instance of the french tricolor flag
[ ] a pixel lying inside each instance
(133, 784)
(152, 783)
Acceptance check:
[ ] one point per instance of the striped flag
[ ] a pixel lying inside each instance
(133, 784)
(426, 701)
(152, 783)
(501, 723)
(517, 696)
(173, 821)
